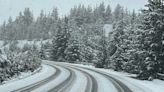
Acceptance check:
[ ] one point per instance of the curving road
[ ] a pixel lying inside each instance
(72, 78)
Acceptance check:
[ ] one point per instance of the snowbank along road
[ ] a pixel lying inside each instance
(72, 78)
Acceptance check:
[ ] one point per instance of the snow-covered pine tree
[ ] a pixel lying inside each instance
(102, 51)
(73, 50)
(108, 15)
(130, 44)
(161, 70)
(52, 22)
(60, 42)
(132, 49)
(87, 43)
(3, 31)
(118, 13)
(133, 18)
(42, 52)
(117, 59)
(27, 21)
(152, 37)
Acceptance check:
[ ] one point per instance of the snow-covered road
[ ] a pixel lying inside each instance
(65, 77)
(46, 72)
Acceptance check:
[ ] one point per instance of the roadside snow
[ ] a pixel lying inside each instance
(137, 85)
(22, 43)
(16, 84)
(23, 75)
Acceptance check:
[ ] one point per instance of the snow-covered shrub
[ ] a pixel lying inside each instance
(12, 63)
(45, 51)
(13, 46)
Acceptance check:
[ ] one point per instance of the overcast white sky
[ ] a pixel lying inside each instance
(13, 7)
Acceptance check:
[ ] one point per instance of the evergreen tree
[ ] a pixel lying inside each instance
(103, 51)
(117, 13)
(54, 15)
(3, 32)
(28, 17)
(27, 21)
(73, 50)
(133, 17)
(60, 42)
(42, 53)
(108, 15)
(117, 59)
(152, 38)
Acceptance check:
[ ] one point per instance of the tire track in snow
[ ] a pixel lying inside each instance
(69, 82)
(66, 84)
(91, 83)
(121, 87)
(133, 86)
(118, 84)
(65, 74)
(40, 83)
(103, 85)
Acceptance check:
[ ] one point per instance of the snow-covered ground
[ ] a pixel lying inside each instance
(21, 43)
(23, 80)
(136, 85)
